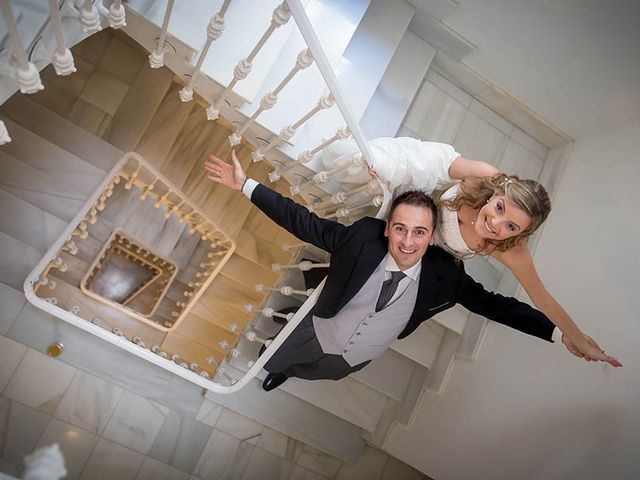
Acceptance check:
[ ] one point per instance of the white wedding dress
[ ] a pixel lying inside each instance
(403, 164)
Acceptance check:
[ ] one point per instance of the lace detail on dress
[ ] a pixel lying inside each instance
(448, 234)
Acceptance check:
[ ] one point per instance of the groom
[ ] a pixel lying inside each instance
(383, 282)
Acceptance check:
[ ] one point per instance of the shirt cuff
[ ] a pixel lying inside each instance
(556, 336)
(249, 186)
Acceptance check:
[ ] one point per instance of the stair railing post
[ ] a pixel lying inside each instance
(25, 72)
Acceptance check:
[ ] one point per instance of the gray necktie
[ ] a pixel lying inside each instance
(389, 287)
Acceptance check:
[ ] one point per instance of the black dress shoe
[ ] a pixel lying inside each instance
(273, 380)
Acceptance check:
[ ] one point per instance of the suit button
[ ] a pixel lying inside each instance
(350, 343)
(345, 350)
(358, 333)
(365, 323)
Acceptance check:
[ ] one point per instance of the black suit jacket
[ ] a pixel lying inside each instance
(358, 249)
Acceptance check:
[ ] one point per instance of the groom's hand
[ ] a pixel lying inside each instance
(221, 172)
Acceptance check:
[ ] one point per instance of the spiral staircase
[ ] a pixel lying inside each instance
(66, 170)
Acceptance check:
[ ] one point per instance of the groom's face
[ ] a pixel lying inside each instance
(410, 232)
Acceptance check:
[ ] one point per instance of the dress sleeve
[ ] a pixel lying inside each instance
(410, 163)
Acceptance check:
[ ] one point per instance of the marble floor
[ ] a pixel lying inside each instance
(106, 431)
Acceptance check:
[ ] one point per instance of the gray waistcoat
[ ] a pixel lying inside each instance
(357, 332)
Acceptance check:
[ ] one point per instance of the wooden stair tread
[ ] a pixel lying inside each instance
(249, 273)
(138, 107)
(164, 127)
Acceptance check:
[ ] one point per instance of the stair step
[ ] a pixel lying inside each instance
(249, 273)
(205, 332)
(138, 107)
(259, 251)
(295, 418)
(220, 313)
(17, 259)
(52, 160)
(27, 223)
(423, 345)
(191, 351)
(38, 189)
(57, 130)
(164, 127)
(390, 374)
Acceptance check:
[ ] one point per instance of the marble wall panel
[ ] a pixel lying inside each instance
(155, 470)
(89, 402)
(239, 426)
(39, 382)
(530, 143)
(368, 467)
(299, 473)
(449, 88)
(434, 115)
(111, 461)
(494, 119)
(10, 355)
(279, 444)
(180, 441)
(75, 443)
(266, 466)
(318, 462)
(20, 429)
(223, 457)
(209, 412)
(136, 422)
(11, 303)
(9, 468)
(396, 470)
(519, 161)
(479, 140)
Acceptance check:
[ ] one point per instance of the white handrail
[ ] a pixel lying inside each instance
(311, 39)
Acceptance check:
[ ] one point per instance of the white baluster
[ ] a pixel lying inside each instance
(269, 100)
(25, 72)
(223, 373)
(340, 197)
(376, 201)
(116, 15)
(286, 290)
(59, 264)
(268, 312)
(303, 266)
(293, 246)
(147, 189)
(4, 134)
(321, 177)
(174, 209)
(132, 178)
(237, 354)
(156, 59)
(62, 58)
(280, 16)
(90, 18)
(252, 337)
(288, 132)
(307, 155)
(70, 246)
(214, 31)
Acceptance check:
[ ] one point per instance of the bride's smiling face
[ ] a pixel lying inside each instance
(500, 219)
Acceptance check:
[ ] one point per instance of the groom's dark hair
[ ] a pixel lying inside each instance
(417, 199)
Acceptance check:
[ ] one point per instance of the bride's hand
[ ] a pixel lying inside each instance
(587, 348)
(372, 172)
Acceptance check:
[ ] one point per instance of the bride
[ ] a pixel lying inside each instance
(484, 212)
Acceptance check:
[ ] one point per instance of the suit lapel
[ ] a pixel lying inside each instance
(428, 289)
(370, 257)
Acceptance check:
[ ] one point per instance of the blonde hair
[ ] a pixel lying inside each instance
(527, 195)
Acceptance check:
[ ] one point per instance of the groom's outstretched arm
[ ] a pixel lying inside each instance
(296, 219)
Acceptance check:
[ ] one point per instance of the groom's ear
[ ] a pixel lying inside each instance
(386, 229)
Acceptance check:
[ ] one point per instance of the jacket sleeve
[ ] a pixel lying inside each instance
(297, 220)
(505, 310)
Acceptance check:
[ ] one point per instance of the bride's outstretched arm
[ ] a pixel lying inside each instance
(463, 167)
(519, 261)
